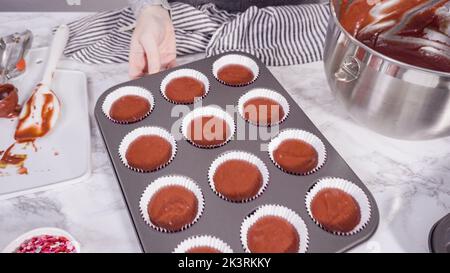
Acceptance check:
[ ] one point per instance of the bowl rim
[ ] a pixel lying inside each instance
(13, 245)
(376, 53)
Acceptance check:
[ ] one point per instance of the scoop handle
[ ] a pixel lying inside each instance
(56, 50)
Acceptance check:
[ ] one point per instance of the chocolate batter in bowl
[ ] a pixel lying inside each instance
(388, 62)
(416, 32)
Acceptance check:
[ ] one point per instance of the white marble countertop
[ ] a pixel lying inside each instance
(410, 180)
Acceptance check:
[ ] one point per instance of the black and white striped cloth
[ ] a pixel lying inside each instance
(284, 35)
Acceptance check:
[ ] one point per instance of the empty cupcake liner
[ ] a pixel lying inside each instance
(203, 241)
(14, 245)
(267, 94)
(146, 131)
(184, 73)
(124, 91)
(235, 59)
(170, 180)
(305, 136)
(239, 155)
(207, 111)
(280, 211)
(348, 187)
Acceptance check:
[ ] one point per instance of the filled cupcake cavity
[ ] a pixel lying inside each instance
(172, 203)
(147, 149)
(238, 176)
(235, 70)
(297, 152)
(203, 244)
(263, 107)
(208, 127)
(338, 206)
(172, 207)
(128, 104)
(274, 229)
(184, 86)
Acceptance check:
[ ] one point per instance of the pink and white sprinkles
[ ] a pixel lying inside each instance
(46, 244)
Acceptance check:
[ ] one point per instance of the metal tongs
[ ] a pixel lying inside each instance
(13, 49)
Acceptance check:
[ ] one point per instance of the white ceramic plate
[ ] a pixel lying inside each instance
(64, 154)
(37, 232)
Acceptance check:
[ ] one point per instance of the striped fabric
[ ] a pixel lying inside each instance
(284, 35)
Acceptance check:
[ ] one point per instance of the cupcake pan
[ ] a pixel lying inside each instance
(284, 189)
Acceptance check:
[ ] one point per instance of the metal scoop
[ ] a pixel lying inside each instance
(40, 113)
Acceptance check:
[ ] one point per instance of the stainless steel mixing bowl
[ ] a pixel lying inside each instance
(387, 96)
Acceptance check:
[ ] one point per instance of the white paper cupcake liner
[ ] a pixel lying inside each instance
(207, 111)
(267, 94)
(14, 245)
(184, 73)
(280, 211)
(203, 241)
(239, 155)
(170, 180)
(305, 136)
(235, 59)
(146, 131)
(123, 91)
(356, 192)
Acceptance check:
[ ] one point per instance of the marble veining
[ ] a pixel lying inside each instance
(410, 180)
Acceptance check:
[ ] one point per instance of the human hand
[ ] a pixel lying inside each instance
(152, 45)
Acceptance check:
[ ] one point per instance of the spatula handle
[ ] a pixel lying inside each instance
(56, 50)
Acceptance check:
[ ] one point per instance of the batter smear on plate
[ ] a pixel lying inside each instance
(27, 131)
(9, 107)
(8, 158)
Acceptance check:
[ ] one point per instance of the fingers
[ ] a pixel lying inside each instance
(171, 64)
(137, 62)
(145, 57)
(137, 65)
(151, 54)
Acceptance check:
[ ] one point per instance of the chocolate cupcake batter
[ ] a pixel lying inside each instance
(237, 180)
(172, 207)
(9, 99)
(273, 234)
(148, 153)
(263, 111)
(336, 210)
(296, 156)
(235, 74)
(203, 249)
(208, 131)
(129, 108)
(415, 32)
(184, 90)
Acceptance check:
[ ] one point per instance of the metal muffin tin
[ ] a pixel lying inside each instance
(222, 218)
